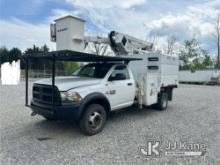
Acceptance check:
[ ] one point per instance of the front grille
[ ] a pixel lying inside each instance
(43, 94)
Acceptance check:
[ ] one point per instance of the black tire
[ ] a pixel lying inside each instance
(162, 102)
(93, 119)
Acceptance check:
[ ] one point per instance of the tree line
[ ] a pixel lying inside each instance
(194, 57)
(191, 55)
(13, 54)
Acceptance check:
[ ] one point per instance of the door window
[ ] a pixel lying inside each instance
(119, 73)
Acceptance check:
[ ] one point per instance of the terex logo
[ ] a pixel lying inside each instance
(63, 29)
(152, 149)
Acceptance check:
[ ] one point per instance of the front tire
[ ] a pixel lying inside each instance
(93, 119)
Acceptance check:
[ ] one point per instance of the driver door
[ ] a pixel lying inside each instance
(120, 88)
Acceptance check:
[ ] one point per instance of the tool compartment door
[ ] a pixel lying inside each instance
(151, 89)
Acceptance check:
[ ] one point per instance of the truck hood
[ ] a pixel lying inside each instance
(70, 82)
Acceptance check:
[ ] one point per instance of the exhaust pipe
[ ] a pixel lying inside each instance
(33, 113)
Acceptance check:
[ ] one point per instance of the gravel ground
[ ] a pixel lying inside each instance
(193, 117)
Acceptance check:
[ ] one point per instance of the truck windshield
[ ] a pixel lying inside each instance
(93, 70)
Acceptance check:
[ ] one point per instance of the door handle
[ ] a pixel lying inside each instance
(129, 84)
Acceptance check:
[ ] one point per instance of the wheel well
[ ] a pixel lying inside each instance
(102, 102)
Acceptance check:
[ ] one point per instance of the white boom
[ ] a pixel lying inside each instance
(121, 44)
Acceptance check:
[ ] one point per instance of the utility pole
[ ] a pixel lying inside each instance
(217, 34)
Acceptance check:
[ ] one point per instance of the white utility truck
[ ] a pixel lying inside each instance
(98, 88)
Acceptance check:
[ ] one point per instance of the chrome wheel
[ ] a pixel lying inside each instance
(164, 104)
(95, 120)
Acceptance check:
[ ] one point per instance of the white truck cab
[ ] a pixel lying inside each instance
(113, 80)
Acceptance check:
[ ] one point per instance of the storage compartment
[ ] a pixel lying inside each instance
(152, 73)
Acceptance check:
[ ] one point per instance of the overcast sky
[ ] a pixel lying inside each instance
(26, 22)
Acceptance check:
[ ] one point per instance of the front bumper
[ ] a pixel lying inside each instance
(62, 112)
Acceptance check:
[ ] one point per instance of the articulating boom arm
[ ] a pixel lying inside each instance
(125, 44)
(120, 43)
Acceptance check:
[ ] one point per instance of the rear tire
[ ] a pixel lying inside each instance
(162, 101)
(93, 119)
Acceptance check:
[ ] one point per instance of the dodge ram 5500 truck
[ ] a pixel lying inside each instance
(98, 88)
(94, 90)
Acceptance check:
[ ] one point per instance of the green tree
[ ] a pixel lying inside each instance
(190, 50)
(9, 55)
(14, 54)
(197, 63)
(44, 48)
(34, 49)
(207, 60)
(37, 63)
(4, 55)
(191, 47)
(193, 57)
(69, 67)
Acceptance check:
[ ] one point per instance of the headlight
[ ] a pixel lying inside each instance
(69, 97)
